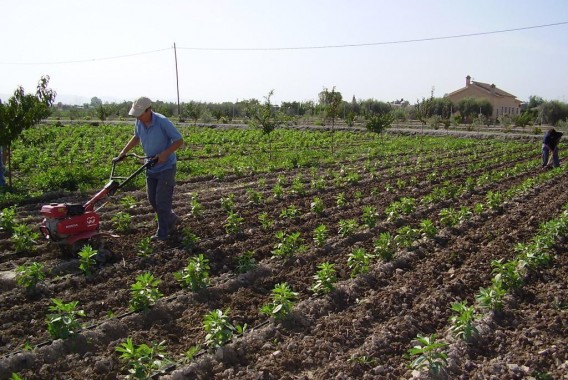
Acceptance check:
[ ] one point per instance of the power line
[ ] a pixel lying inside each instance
(396, 42)
(86, 60)
(379, 43)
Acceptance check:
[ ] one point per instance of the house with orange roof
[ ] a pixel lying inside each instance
(503, 102)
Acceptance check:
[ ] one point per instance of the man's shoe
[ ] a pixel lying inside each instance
(174, 223)
(157, 238)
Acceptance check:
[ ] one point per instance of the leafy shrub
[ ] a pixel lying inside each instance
(63, 322)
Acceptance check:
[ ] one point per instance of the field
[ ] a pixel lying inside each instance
(412, 225)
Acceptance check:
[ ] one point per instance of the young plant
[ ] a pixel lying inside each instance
(255, 197)
(245, 262)
(87, 259)
(290, 212)
(128, 202)
(297, 186)
(218, 328)
(265, 221)
(494, 199)
(428, 229)
(320, 235)
(288, 244)
(282, 301)
(24, 238)
(195, 206)
(491, 298)
(29, 276)
(385, 246)
(347, 227)
(449, 217)
(144, 292)
(358, 261)
(142, 360)
(8, 219)
(370, 216)
(63, 322)
(507, 273)
(317, 206)
(234, 223)
(278, 191)
(462, 321)
(228, 203)
(340, 200)
(189, 239)
(145, 247)
(428, 355)
(122, 221)
(195, 275)
(405, 236)
(325, 279)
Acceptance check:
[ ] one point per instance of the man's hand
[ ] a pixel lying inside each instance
(120, 157)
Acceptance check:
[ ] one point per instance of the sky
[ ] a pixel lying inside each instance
(229, 50)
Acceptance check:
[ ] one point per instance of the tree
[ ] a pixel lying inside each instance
(264, 116)
(330, 100)
(24, 111)
(194, 111)
(378, 123)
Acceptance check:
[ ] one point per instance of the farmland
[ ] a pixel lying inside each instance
(376, 237)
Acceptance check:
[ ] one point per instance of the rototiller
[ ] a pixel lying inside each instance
(71, 225)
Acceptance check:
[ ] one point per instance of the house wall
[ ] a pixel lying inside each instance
(502, 105)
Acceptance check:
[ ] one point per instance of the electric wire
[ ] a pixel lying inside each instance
(316, 47)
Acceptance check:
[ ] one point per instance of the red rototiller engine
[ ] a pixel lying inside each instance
(72, 225)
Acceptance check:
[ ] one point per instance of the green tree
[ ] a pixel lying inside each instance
(330, 101)
(24, 111)
(264, 116)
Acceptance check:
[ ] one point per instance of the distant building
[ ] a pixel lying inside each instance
(503, 103)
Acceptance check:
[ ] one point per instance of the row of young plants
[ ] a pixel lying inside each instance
(430, 353)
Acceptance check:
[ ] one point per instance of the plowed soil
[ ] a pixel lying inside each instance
(363, 329)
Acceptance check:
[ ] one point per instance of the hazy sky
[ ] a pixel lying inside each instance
(121, 49)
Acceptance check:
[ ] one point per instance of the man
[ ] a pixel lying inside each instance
(550, 146)
(159, 139)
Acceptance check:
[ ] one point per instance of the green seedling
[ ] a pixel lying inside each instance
(228, 203)
(347, 227)
(265, 221)
(144, 292)
(428, 355)
(143, 359)
(189, 239)
(234, 223)
(145, 247)
(288, 244)
(340, 200)
(428, 229)
(462, 321)
(218, 328)
(128, 202)
(325, 279)
(122, 221)
(28, 276)
(245, 262)
(63, 322)
(320, 235)
(370, 216)
(195, 275)
(255, 197)
(384, 246)
(196, 208)
(8, 219)
(491, 298)
(282, 302)
(317, 206)
(358, 261)
(24, 238)
(290, 212)
(87, 259)
(507, 273)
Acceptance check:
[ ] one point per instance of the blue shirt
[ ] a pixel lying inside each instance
(156, 138)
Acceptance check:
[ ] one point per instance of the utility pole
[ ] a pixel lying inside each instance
(177, 77)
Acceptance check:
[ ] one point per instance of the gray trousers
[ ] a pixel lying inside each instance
(160, 191)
